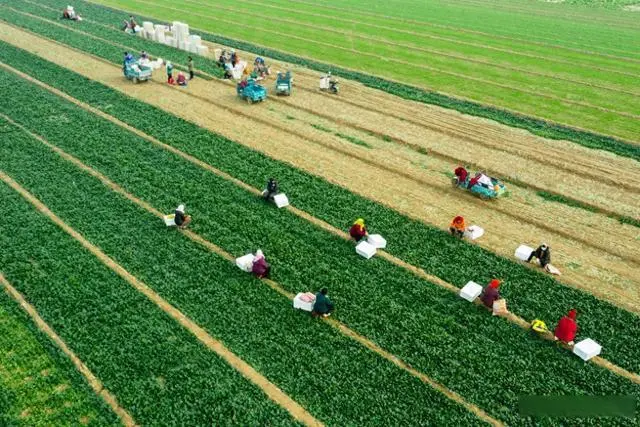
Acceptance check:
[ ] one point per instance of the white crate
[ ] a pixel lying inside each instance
(180, 44)
(194, 39)
(169, 220)
(281, 200)
(187, 46)
(169, 41)
(471, 291)
(148, 26)
(523, 252)
(245, 262)
(377, 241)
(298, 303)
(204, 51)
(474, 232)
(586, 349)
(365, 249)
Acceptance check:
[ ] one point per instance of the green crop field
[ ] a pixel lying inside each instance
(574, 66)
(401, 348)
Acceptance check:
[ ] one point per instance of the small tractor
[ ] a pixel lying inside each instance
(251, 91)
(284, 83)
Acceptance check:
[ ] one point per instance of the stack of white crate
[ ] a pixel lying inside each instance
(179, 37)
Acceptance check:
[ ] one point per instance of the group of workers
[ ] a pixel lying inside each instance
(130, 25)
(565, 331)
(182, 79)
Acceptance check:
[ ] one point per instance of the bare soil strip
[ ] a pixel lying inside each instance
(270, 389)
(93, 381)
(274, 285)
(585, 268)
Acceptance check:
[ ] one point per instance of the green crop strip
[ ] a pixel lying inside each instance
(157, 370)
(530, 294)
(557, 198)
(540, 127)
(299, 253)
(353, 140)
(38, 384)
(251, 319)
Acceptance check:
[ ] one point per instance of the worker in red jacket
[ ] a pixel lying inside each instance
(358, 230)
(567, 328)
(461, 175)
(490, 294)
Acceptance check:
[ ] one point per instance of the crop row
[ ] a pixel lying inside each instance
(328, 373)
(530, 294)
(157, 370)
(39, 384)
(537, 126)
(427, 326)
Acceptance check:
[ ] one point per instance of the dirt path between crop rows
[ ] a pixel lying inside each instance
(278, 288)
(267, 387)
(601, 273)
(94, 382)
(270, 389)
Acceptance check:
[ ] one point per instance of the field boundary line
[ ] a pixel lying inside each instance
(225, 175)
(95, 383)
(391, 43)
(272, 391)
(184, 320)
(633, 377)
(378, 57)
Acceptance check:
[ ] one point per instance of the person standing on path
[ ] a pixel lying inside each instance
(170, 73)
(190, 64)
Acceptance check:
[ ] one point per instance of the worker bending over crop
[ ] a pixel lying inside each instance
(271, 190)
(567, 328)
(543, 254)
(260, 267)
(491, 294)
(461, 175)
(323, 305)
(180, 218)
(71, 14)
(457, 227)
(182, 80)
(358, 230)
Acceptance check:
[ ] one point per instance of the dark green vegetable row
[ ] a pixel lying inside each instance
(110, 16)
(334, 377)
(431, 328)
(530, 294)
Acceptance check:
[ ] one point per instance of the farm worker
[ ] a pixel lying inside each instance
(125, 27)
(490, 294)
(180, 218)
(457, 227)
(128, 57)
(272, 188)
(543, 254)
(539, 326)
(323, 305)
(170, 73)
(461, 174)
(190, 67)
(260, 267)
(358, 230)
(69, 13)
(182, 80)
(228, 70)
(132, 22)
(234, 58)
(144, 55)
(567, 328)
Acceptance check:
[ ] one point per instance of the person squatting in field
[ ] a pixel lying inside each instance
(180, 218)
(567, 328)
(457, 227)
(543, 254)
(358, 230)
(322, 305)
(261, 267)
(271, 190)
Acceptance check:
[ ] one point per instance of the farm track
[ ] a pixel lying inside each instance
(414, 48)
(336, 324)
(407, 197)
(416, 66)
(420, 23)
(93, 381)
(270, 389)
